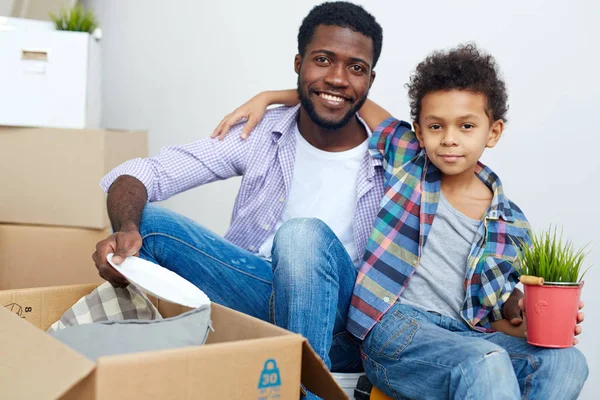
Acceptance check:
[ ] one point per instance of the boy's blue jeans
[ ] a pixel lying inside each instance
(306, 289)
(411, 353)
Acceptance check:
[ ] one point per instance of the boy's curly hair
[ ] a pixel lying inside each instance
(462, 68)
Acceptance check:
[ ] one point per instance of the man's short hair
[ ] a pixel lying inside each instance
(345, 15)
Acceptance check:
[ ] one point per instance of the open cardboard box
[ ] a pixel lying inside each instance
(231, 365)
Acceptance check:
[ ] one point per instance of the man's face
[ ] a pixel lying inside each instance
(334, 75)
(454, 129)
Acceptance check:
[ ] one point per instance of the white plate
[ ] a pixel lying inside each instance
(160, 282)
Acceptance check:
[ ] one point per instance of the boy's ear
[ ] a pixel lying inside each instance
(297, 62)
(495, 133)
(418, 133)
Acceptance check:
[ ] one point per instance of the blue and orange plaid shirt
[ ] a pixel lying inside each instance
(394, 248)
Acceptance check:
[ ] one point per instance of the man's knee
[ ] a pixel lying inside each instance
(302, 234)
(157, 219)
(299, 248)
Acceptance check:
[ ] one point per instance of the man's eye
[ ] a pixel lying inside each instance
(322, 60)
(357, 68)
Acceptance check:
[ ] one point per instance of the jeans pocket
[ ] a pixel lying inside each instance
(392, 334)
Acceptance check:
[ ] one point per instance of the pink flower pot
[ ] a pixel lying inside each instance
(552, 313)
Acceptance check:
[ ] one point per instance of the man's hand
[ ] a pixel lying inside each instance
(122, 244)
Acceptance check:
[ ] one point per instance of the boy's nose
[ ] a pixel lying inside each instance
(450, 138)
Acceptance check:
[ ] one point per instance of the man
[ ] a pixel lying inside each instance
(308, 198)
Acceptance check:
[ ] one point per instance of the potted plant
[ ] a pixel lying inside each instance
(76, 19)
(551, 273)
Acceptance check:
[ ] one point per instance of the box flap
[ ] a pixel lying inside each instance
(38, 367)
(316, 376)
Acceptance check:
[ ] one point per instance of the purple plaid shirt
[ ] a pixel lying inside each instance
(266, 162)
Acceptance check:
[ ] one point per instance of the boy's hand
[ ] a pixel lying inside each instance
(580, 318)
(252, 112)
(511, 310)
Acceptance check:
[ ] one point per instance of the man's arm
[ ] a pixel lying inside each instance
(127, 197)
(174, 170)
(126, 200)
(179, 168)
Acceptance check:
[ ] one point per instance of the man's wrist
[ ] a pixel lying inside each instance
(129, 227)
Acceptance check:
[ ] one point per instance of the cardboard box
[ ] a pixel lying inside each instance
(36, 256)
(51, 176)
(49, 78)
(229, 366)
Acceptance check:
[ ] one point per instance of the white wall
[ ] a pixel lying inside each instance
(177, 70)
(6, 7)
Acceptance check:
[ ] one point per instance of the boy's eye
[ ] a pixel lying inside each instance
(467, 126)
(435, 127)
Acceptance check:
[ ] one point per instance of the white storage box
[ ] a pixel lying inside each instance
(48, 78)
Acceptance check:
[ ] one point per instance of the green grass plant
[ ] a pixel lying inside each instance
(552, 258)
(75, 19)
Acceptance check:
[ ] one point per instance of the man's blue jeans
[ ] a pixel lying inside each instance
(411, 353)
(306, 289)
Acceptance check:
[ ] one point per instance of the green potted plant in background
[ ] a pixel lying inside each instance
(75, 19)
(551, 273)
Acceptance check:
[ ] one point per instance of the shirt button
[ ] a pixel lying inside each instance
(267, 227)
(251, 248)
(386, 299)
(282, 199)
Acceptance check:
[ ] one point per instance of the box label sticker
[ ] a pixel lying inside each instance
(269, 384)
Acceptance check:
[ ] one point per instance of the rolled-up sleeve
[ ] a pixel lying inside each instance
(179, 168)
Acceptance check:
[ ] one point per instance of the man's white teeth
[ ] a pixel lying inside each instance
(329, 97)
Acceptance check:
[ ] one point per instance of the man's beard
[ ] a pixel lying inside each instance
(323, 123)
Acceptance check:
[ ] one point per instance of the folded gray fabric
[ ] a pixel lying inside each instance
(107, 303)
(132, 336)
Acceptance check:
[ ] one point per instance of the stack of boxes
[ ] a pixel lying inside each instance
(52, 210)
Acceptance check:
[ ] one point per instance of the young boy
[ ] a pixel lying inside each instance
(446, 227)
(440, 260)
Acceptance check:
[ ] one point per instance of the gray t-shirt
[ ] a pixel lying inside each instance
(438, 283)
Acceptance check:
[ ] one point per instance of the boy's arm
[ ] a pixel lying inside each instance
(506, 327)
(253, 111)
(393, 140)
(373, 114)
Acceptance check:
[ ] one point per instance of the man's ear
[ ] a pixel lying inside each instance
(418, 133)
(297, 63)
(495, 133)
(372, 78)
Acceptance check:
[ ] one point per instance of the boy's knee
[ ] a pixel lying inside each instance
(567, 368)
(488, 360)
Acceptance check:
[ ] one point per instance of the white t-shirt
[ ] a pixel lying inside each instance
(323, 187)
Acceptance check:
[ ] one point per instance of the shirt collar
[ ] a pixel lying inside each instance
(500, 206)
(284, 128)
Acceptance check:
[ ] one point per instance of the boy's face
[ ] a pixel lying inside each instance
(334, 75)
(454, 129)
